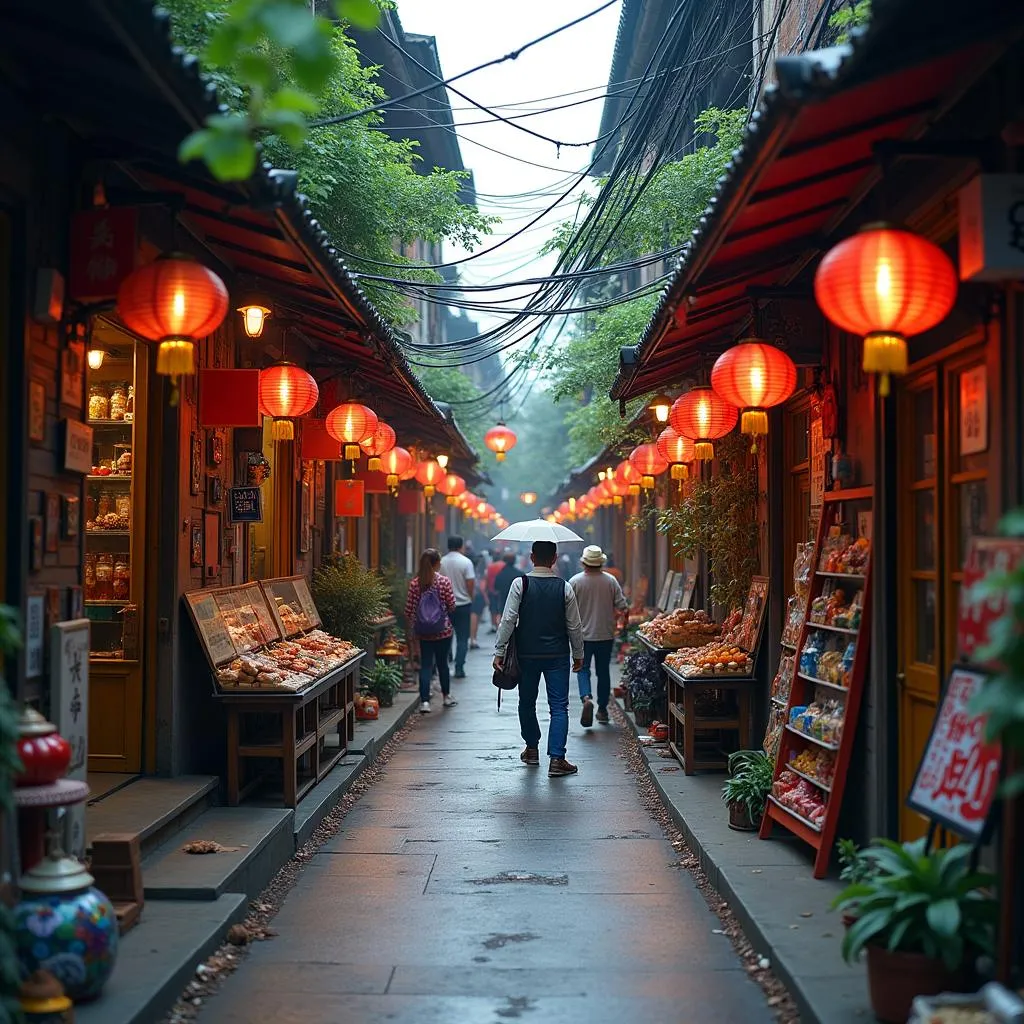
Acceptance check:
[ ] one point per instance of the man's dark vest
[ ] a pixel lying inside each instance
(542, 632)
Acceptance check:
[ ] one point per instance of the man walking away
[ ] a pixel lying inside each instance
(459, 569)
(599, 596)
(549, 631)
(495, 605)
(504, 580)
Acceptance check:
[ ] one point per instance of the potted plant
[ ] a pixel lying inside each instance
(641, 677)
(922, 916)
(382, 680)
(350, 598)
(856, 868)
(746, 790)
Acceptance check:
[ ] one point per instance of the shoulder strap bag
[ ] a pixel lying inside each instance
(507, 677)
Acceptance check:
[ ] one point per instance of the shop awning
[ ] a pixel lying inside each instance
(808, 159)
(144, 96)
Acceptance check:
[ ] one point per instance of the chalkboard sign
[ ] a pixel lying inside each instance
(958, 776)
(246, 504)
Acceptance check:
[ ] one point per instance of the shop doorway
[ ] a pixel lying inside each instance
(942, 502)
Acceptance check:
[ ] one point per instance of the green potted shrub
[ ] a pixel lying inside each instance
(350, 599)
(746, 790)
(382, 680)
(855, 869)
(922, 917)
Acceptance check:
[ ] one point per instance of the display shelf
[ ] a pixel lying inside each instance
(822, 682)
(111, 423)
(101, 602)
(802, 692)
(788, 646)
(110, 478)
(778, 702)
(108, 533)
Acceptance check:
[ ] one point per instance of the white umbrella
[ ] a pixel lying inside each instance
(530, 530)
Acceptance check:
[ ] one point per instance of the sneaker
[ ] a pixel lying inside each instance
(459, 675)
(587, 715)
(473, 645)
(449, 701)
(530, 756)
(425, 707)
(559, 766)
(602, 716)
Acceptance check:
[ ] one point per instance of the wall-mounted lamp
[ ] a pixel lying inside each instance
(254, 317)
(94, 357)
(442, 461)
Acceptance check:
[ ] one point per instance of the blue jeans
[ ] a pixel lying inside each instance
(434, 652)
(601, 652)
(460, 623)
(556, 678)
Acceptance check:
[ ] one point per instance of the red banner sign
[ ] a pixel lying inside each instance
(104, 243)
(410, 501)
(316, 442)
(229, 398)
(976, 615)
(959, 773)
(348, 498)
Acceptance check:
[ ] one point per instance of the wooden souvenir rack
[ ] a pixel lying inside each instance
(306, 732)
(806, 688)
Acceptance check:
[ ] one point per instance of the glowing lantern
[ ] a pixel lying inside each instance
(254, 317)
(379, 443)
(703, 416)
(174, 301)
(286, 392)
(430, 474)
(442, 461)
(676, 450)
(500, 440)
(648, 461)
(629, 476)
(885, 283)
(395, 463)
(351, 423)
(528, 497)
(95, 358)
(452, 485)
(660, 405)
(754, 377)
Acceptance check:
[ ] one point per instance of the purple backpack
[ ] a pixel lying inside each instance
(431, 615)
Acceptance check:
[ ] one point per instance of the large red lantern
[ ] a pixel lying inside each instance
(629, 476)
(430, 474)
(649, 463)
(451, 486)
(351, 423)
(703, 416)
(500, 440)
(286, 392)
(676, 450)
(395, 462)
(381, 441)
(885, 283)
(174, 300)
(754, 376)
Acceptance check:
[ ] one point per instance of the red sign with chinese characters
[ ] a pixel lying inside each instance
(976, 616)
(959, 773)
(104, 243)
(348, 497)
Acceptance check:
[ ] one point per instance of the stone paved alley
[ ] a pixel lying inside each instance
(465, 887)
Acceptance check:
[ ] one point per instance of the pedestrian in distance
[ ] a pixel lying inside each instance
(542, 609)
(459, 569)
(478, 606)
(428, 610)
(496, 604)
(504, 580)
(599, 597)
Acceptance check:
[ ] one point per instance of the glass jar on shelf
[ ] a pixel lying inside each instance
(129, 412)
(121, 577)
(123, 504)
(122, 459)
(91, 505)
(104, 577)
(105, 503)
(89, 577)
(118, 399)
(99, 402)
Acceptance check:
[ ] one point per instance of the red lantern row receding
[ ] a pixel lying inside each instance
(703, 416)
(175, 301)
(379, 443)
(500, 440)
(351, 423)
(286, 392)
(676, 450)
(885, 283)
(754, 376)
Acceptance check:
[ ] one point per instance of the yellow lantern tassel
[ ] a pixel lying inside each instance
(754, 421)
(885, 354)
(175, 358)
(373, 465)
(617, 499)
(392, 482)
(428, 491)
(451, 499)
(703, 450)
(352, 452)
(634, 490)
(282, 430)
(647, 483)
(679, 471)
(500, 456)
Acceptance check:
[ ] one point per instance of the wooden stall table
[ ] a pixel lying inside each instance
(307, 720)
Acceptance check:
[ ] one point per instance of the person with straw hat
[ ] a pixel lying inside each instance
(599, 596)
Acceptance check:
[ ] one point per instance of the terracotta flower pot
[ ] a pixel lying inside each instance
(894, 979)
(739, 818)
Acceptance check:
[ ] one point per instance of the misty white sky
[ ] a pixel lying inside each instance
(469, 32)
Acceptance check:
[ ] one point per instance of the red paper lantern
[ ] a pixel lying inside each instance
(647, 460)
(286, 392)
(451, 486)
(174, 300)
(703, 416)
(676, 450)
(885, 283)
(500, 440)
(429, 473)
(395, 463)
(381, 441)
(351, 423)
(754, 377)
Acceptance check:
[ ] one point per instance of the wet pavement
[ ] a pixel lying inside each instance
(465, 887)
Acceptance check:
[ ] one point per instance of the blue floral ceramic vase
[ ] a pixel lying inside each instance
(66, 926)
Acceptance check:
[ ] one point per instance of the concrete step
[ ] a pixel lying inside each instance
(158, 958)
(325, 796)
(265, 840)
(371, 736)
(152, 809)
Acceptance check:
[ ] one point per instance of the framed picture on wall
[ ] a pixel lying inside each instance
(72, 517)
(72, 375)
(305, 507)
(320, 485)
(36, 411)
(35, 541)
(52, 522)
(195, 465)
(196, 545)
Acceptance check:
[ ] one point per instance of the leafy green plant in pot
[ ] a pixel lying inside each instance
(382, 680)
(746, 790)
(856, 868)
(350, 598)
(922, 917)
